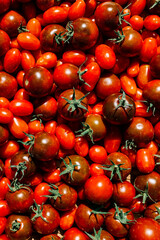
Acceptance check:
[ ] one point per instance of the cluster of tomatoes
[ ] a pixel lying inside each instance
(79, 119)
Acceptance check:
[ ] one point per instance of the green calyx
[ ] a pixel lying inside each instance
(149, 106)
(37, 209)
(74, 103)
(122, 216)
(69, 167)
(114, 169)
(80, 73)
(122, 15)
(15, 226)
(158, 211)
(86, 130)
(96, 236)
(120, 37)
(64, 37)
(54, 192)
(30, 142)
(130, 144)
(143, 194)
(155, 4)
(22, 28)
(15, 186)
(123, 102)
(21, 168)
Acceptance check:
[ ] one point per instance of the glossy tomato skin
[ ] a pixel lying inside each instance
(116, 113)
(131, 45)
(45, 146)
(4, 43)
(1, 169)
(151, 211)
(145, 161)
(4, 134)
(81, 172)
(21, 107)
(63, 105)
(50, 236)
(8, 85)
(114, 226)
(65, 136)
(20, 200)
(153, 181)
(11, 21)
(85, 33)
(151, 92)
(155, 66)
(144, 228)
(74, 233)
(140, 130)
(51, 222)
(25, 228)
(98, 189)
(86, 220)
(38, 81)
(67, 200)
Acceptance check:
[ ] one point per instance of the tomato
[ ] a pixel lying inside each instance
(72, 104)
(34, 27)
(5, 43)
(74, 170)
(76, 57)
(152, 211)
(50, 127)
(137, 22)
(4, 102)
(145, 161)
(4, 134)
(144, 75)
(151, 45)
(128, 84)
(3, 221)
(74, 233)
(38, 81)
(8, 85)
(21, 107)
(35, 126)
(133, 68)
(65, 136)
(40, 190)
(18, 227)
(108, 83)
(137, 6)
(4, 208)
(81, 146)
(1, 169)
(46, 222)
(77, 10)
(155, 65)
(12, 60)
(96, 169)
(44, 146)
(44, 5)
(118, 108)
(144, 228)
(53, 176)
(55, 14)
(4, 6)
(98, 154)
(98, 189)
(28, 41)
(17, 127)
(151, 92)
(8, 149)
(86, 220)
(152, 22)
(47, 60)
(67, 219)
(27, 60)
(50, 236)
(4, 182)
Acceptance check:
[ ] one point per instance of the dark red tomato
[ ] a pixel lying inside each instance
(28, 41)
(144, 228)
(117, 225)
(123, 193)
(48, 166)
(65, 136)
(1, 168)
(4, 186)
(107, 15)
(22, 164)
(145, 161)
(151, 92)
(8, 85)
(65, 76)
(45, 146)
(117, 166)
(45, 107)
(74, 170)
(19, 201)
(98, 189)
(131, 43)
(96, 129)
(72, 104)
(4, 134)
(4, 208)
(12, 60)
(21, 107)
(87, 220)
(105, 56)
(55, 14)
(18, 227)
(157, 132)
(50, 237)
(38, 81)
(137, 206)
(44, 5)
(113, 138)
(4, 43)
(74, 233)
(118, 108)
(149, 183)
(155, 66)
(49, 220)
(153, 7)
(4, 6)
(140, 130)
(122, 63)
(47, 38)
(63, 197)
(108, 84)
(11, 21)
(152, 211)
(85, 33)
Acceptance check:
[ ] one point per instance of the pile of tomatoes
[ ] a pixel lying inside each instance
(79, 119)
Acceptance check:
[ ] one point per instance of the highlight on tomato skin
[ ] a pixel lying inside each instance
(79, 119)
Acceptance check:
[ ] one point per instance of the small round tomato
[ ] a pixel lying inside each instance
(28, 41)
(12, 60)
(105, 56)
(98, 154)
(21, 107)
(8, 85)
(74, 233)
(65, 136)
(145, 161)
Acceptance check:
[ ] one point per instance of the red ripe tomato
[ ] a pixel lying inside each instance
(105, 56)
(21, 107)
(77, 10)
(5, 43)
(113, 138)
(5, 115)
(81, 146)
(152, 22)
(47, 60)
(28, 41)
(34, 27)
(55, 14)
(145, 161)
(12, 60)
(17, 127)
(149, 49)
(27, 60)
(8, 85)
(98, 154)
(76, 57)
(74, 233)
(4, 185)
(65, 136)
